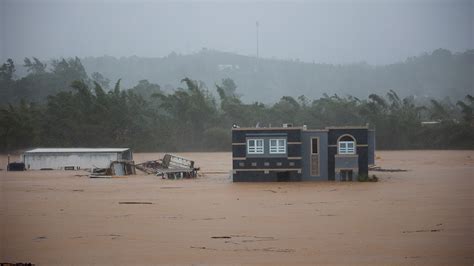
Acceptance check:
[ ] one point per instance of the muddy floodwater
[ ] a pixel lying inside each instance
(421, 216)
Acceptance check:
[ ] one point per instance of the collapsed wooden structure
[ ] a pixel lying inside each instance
(171, 167)
(116, 169)
(104, 162)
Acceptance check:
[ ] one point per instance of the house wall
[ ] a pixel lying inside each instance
(260, 176)
(371, 150)
(266, 144)
(306, 155)
(361, 137)
(346, 162)
(36, 161)
(297, 160)
(239, 135)
(266, 167)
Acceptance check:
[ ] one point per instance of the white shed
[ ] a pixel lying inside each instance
(58, 158)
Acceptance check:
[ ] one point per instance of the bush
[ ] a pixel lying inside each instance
(366, 178)
(374, 178)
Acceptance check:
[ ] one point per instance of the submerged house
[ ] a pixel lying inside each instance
(300, 154)
(74, 158)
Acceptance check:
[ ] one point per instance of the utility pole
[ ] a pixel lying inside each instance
(257, 37)
(256, 60)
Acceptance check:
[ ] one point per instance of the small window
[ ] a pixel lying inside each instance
(278, 146)
(346, 145)
(255, 146)
(314, 146)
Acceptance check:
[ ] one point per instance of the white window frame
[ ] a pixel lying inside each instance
(343, 147)
(256, 148)
(277, 146)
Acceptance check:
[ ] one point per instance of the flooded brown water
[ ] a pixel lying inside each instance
(422, 216)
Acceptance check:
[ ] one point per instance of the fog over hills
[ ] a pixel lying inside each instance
(269, 48)
(321, 31)
(436, 74)
(157, 75)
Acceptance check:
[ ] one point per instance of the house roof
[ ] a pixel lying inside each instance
(348, 127)
(301, 128)
(267, 128)
(76, 150)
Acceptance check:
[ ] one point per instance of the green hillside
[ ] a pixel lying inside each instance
(437, 74)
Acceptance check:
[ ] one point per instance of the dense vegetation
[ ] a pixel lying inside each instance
(88, 114)
(438, 74)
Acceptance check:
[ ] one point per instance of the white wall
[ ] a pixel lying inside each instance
(59, 160)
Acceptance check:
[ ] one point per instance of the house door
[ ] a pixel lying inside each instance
(346, 175)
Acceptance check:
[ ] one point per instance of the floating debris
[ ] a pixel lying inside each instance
(380, 169)
(170, 167)
(116, 169)
(135, 202)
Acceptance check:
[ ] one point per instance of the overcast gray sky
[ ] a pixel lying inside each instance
(377, 32)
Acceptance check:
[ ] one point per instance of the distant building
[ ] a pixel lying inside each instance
(430, 123)
(59, 158)
(300, 154)
(223, 67)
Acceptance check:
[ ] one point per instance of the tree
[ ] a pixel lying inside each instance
(69, 70)
(7, 70)
(146, 89)
(286, 111)
(467, 109)
(101, 80)
(18, 126)
(193, 109)
(229, 88)
(35, 67)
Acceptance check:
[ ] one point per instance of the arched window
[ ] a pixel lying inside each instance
(346, 145)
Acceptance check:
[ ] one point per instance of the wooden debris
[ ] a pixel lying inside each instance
(170, 167)
(380, 169)
(135, 202)
(116, 169)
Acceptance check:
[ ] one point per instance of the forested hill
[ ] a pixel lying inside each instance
(61, 105)
(437, 74)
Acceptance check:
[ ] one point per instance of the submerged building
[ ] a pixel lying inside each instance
(74, 158)
(300, 154)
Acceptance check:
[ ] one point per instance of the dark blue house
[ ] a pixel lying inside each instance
(300, 154)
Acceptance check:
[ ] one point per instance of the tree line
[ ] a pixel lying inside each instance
(438, 74)
(193, 117)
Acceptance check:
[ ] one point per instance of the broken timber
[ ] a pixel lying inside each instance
(171, 167)
(116, 169)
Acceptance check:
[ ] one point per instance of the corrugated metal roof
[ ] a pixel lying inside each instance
(73, 150)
